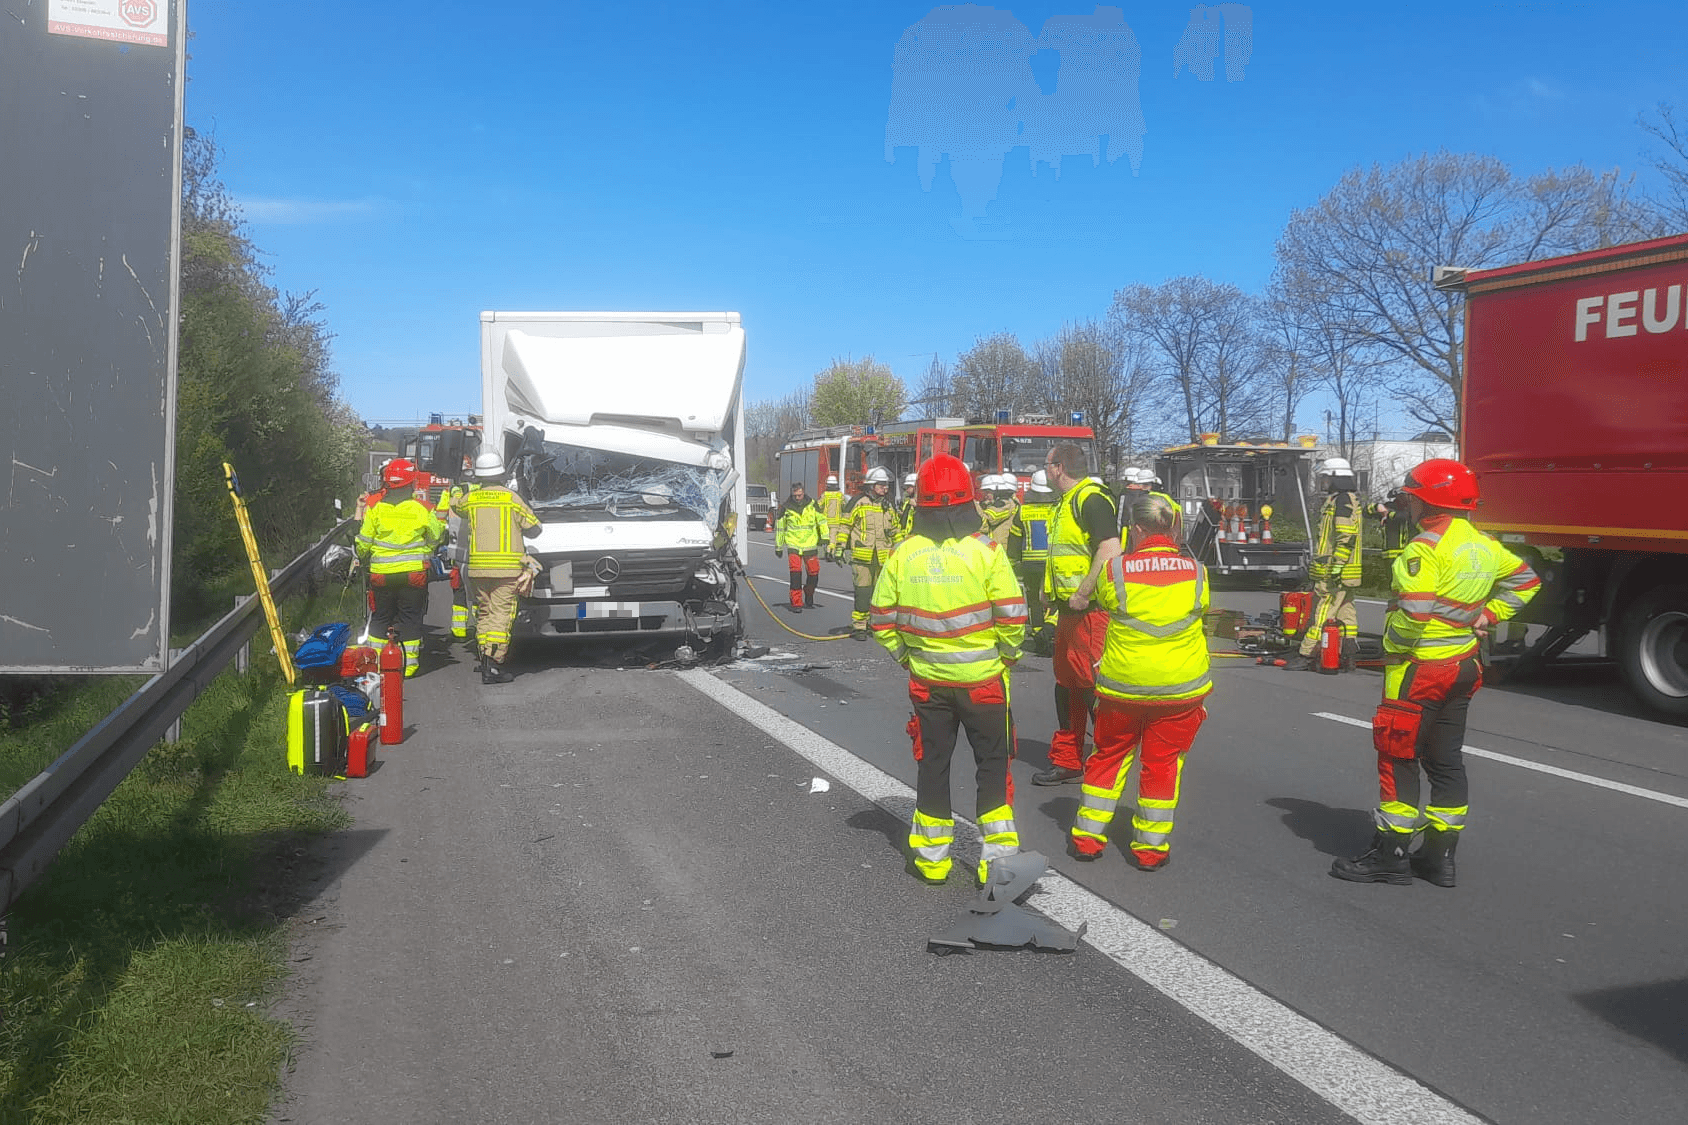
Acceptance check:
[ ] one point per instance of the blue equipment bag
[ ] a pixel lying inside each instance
(323, 647)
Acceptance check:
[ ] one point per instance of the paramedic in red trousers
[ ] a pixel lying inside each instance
(1451, 583)
(1083, 538)
(802, 529)
(1151, 686)
(948, 607)
(396, 543)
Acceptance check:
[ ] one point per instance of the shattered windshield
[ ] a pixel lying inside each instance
(573, 482)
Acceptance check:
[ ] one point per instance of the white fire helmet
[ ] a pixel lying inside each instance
(1040, 482)
(1335, 467)
(877, 475)
(489, 466)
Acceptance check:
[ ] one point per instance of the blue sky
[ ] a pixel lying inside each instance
(418, 162)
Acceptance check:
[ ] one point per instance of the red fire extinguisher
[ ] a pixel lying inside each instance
(1330, 649)
(392, 690)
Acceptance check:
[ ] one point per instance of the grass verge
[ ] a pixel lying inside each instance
(135, 983)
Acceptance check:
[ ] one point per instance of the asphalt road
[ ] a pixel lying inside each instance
(569, 898)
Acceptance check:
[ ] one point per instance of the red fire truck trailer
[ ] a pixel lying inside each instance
(1576, 422)
(813, 455)
(1019, 448)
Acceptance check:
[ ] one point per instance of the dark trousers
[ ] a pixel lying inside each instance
(400, 606)
(1442, 692)
(940, 713)
(1031, 577)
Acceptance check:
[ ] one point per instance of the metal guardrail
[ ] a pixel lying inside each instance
(41, 817)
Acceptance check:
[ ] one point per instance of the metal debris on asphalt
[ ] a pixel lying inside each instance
(994, 921)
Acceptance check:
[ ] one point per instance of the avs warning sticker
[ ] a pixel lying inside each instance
(123, 21)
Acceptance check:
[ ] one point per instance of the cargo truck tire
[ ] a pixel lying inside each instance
(1653, 633)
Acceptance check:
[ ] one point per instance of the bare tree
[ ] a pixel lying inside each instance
(768, 425)
(1368, 248)
(995, 374)
(1096, 370)
(1201, 338)
(1288, 348)
(933, 393)
(1671, 165)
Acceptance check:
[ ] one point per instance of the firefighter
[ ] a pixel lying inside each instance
(870, 528)
(1396, 529)
(1028, 549)
(462, 601)
(802, 530)
(1151, 686)
(997, 506)
(495, 521)
(1083, 537)
(1335, 567)
(400, 466)
(948, 607)
(906, 509)
(396, 543)
(832, 503)
(1451, 583)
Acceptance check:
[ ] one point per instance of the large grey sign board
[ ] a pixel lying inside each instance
(90, 183)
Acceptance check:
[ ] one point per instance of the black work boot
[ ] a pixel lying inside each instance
(1386, 862)
(1434, 860)
(494, 673)
(1350, 653)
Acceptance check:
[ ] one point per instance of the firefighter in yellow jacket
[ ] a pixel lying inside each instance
(1335, 566)
(997, 506)
(1028, 549)
(832, 503)
(1451, 583)
(801, 533)
(396, 543)
(1151, 685)
(495, 521)
(869, 529)
(949, 608)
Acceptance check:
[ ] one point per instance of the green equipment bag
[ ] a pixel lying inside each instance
(317, 730)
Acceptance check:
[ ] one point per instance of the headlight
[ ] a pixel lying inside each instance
(711, 574)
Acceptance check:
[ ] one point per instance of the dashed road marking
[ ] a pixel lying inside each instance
(1525, 763)
(1361, 1085)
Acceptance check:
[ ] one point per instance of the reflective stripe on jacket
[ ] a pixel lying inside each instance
(398, 538)
(1156, 650)
(1450, 577)
(998, 523)
(801, 529)
(832, 505)
(953, 612)
(493, 519)
(1030, 534)
(1070, 549)
(872, 529)
(1337, 552)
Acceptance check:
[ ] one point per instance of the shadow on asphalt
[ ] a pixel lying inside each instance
(878, 820)
(1598, 687)
(1062, 809)
(1657, 1013)
(1335, 832)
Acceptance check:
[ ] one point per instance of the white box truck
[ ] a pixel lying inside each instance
(625, 433)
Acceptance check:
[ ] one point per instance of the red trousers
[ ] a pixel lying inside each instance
(1079, 638)
(1160, 733)
(799, 592)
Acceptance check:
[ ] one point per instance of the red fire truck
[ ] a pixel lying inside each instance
(1576, 422)
(444, 453)
(1019, 448)
(813, 455)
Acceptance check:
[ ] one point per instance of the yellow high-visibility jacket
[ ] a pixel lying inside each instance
(493, 519)
(952, 612)
(1336, 554)
(1070, 549)
(998, 521)
(832, 504)
(1450, 577)
(872, 528)
(1155, 650)
(801, 529)
(398, 538)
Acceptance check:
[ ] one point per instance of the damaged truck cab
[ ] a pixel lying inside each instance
(624, 432)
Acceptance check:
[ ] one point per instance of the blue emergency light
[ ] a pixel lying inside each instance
(1002, 417)
(1076, 418)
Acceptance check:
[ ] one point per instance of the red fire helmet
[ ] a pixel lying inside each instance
(943, 482)
(1442, 483)
(398, 472)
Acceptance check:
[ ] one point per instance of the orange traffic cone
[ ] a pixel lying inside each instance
(1266, 523)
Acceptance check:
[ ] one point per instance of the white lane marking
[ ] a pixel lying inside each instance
(1366, 1088)
(1525, 763)
(786, 582)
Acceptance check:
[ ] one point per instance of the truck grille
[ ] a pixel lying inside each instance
(640, 574)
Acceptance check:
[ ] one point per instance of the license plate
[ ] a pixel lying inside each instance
(606, 609)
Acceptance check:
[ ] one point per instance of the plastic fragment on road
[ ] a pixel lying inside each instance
(819, 785)
(994, 920)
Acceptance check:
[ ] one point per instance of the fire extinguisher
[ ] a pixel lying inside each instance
(392, 690)
(1330, 649)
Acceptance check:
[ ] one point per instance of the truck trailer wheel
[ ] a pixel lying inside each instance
(1653, 631)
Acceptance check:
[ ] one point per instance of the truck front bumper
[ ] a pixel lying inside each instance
(596, 619)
